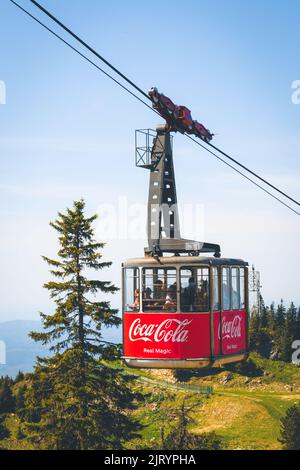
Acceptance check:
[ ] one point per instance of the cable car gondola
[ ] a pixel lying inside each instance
(183, 305)
(219, 294)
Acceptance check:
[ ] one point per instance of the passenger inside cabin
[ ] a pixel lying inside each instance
(188, 296)
(170, 302)
(136, 305)
(203, 296)
(147, 299)
(158, 296)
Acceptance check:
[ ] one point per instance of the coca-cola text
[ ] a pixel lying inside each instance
(170, 329)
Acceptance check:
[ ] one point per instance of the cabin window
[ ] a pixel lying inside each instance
(159, 292)
(194, 289)
(225, 288)
(235, 288)
(131, 289)
(242, 288)
(216, 289)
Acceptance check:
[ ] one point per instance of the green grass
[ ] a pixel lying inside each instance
(277, 370)
(258, 426)
(243, 419)
(245, 412)
(160, 409)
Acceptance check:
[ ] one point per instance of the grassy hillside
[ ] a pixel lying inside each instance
(244, 409)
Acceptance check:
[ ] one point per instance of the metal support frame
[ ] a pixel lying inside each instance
(163, 220)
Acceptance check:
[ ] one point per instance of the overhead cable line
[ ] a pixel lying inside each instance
(79, 53)
(89, 48)
(243, 174)
(252, 173)
(146, 104)
(50, 15)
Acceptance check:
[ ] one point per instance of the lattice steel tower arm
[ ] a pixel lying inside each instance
(163, 221)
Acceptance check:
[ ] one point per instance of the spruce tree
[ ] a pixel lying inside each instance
(179, 438)
(289, 333)
(272, 332)
(4, 432)
(280, 315)
(298, 323)
(260, 340)
(271, 320)
(20, 401)
(290, 429)
(263, 314)
(78, 319)
(254, 328)
(7, 400)
(19, 377)
(73, 402)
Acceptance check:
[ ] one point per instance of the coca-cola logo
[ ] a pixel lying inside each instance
(170, 329)
(231, 328)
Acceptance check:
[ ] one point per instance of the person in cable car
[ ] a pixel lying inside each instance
(190, 292)
(159, 294)
(203, 295)
(136, 305)
(170, 303)
(147, 298)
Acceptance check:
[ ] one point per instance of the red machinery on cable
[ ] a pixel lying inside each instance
(178, 118)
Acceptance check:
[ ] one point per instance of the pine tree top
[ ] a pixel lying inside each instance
(79, 316)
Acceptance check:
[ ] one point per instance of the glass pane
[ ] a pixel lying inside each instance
(235, 288)
(225, 289)
(242, 288)
(216, 289)
(187, 289)
(159, 289)
(202, 295)
(131, 290)
(194, 289)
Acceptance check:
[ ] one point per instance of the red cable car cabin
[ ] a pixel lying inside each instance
(184, 311)
(187, 310)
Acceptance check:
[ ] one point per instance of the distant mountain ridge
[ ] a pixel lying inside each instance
(21, 351)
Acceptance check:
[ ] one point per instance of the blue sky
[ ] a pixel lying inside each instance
(68, 132)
